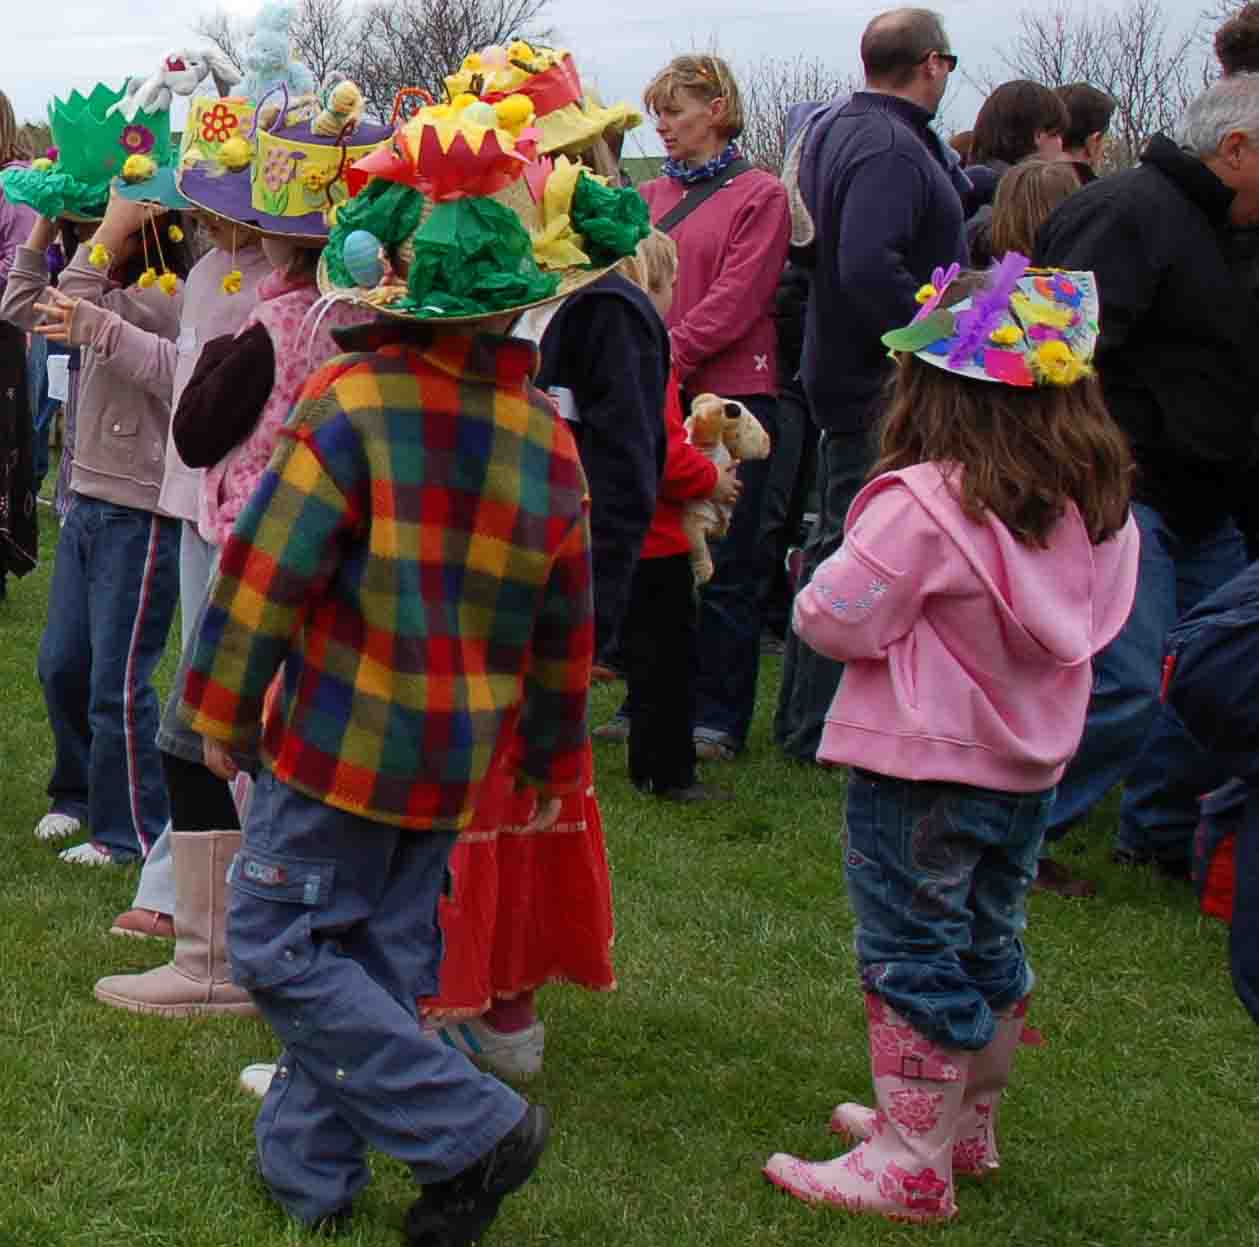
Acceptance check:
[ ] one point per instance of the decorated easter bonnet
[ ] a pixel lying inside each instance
(283, 179)
(568, 117)
(485, 225)
(93, 142)
(1022, 327)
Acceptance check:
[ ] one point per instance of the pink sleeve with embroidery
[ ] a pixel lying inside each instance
(869, 593)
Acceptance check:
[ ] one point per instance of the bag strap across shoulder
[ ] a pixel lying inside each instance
(701, 193)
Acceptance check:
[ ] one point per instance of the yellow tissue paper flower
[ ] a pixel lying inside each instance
(99, 257)
(175, 234)
(514, 113)
(43, 164)
(558, 247)
(926, 293)
(1007, 335)
(557, 198)
(147, 278)
(138, 168)
(168, 283)
(231, 283)
(235, 153)
(1054, 363)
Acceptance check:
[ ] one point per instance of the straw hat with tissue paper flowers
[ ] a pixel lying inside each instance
(458, 218)
(1022, 327)
(567, 117)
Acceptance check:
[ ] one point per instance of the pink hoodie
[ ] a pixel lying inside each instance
(968, 653)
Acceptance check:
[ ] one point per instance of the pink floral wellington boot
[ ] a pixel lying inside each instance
(904, 1168)
(975, 1144)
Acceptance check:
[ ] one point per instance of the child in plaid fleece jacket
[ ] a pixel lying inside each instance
(417, 559)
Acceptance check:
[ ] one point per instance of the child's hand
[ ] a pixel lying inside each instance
(218, 760)
(728, 487)
(123, 218)
(60, 322)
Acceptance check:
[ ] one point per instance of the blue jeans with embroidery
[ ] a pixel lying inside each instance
(938, 876)
(332, 929)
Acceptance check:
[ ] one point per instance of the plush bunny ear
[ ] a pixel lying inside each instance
(224, 73)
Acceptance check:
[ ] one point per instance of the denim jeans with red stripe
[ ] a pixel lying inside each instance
(938, 876)
(114, 587)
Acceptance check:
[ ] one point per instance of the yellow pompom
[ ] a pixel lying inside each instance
(926, 293)
(43, 164)
(168, 283)
(235, 153)
(175, 234)
(1007, 335)
(231, 283)
(138, 169)
(514, 113)
(519, 51)
(147, 278)
(1054, 363)
(99, 257)
(472, 62)
(462, 100)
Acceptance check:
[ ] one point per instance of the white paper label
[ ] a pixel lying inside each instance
(59, 378)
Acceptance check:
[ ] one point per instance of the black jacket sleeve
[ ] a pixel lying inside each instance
(224, 397)
(615, 359)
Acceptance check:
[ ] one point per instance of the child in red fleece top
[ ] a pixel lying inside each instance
(660, 632)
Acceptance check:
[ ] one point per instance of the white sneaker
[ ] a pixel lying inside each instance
(517, 1054)
(256, 1079)
(56, 827)
(89, 853)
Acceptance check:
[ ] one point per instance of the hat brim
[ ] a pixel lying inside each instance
(159, 191)
(568, 131)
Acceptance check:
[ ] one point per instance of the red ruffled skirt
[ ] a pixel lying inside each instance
(527, 909)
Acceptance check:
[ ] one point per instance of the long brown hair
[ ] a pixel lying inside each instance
(11, 146)
(1023, 453)
(1026, 195)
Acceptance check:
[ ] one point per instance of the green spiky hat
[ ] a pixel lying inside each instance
(92, 145)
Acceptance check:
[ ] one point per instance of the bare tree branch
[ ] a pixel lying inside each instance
(771, 86)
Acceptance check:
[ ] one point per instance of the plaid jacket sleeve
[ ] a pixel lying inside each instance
(275, 566)
(557, 682)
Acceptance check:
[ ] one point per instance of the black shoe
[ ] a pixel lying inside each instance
(694, 793)
(1178, 868)
(455, 1213)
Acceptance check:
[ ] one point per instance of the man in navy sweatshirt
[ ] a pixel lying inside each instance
(886, 205)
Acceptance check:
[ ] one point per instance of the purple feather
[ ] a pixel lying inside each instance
(977, 322)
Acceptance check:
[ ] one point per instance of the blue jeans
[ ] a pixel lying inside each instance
(332, 928)
(732, 604)
(114, 586)
(938, 876)
(809, 679)
(1129, 737)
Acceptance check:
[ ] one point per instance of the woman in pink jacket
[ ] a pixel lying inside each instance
(986, 562)
(732, 224)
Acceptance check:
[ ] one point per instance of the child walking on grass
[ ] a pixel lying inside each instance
(987, 560)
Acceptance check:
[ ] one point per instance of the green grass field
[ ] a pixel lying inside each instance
(738, 1024)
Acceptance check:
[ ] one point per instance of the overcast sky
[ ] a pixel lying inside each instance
(48, 49)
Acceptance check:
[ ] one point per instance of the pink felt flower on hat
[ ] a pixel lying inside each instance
(137, 139)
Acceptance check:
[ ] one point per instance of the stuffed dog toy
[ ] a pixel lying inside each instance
(725, 432)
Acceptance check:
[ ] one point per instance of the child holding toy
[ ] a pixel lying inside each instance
(987, 560)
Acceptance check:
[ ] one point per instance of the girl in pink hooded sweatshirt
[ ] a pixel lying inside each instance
(988, 559)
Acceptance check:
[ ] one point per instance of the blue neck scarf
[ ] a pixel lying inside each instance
(688, 176)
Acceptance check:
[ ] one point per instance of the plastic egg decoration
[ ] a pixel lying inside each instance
(480, 114)
(362, 258)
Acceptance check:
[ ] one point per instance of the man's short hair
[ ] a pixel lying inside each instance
(1237, 41)
(1088, 112)
(1229, 106)
(897, 41)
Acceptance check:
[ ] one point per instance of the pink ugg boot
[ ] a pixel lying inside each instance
(904, 1169)
(975, 1145)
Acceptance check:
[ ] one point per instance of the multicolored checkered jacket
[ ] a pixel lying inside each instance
(417, 556)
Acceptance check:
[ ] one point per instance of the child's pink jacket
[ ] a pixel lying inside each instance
(968, 654)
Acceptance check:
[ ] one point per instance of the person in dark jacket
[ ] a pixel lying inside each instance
(886, 205)
(605, 359)
(1177, 364)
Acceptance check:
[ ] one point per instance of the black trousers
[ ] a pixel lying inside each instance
(199, 799)
(660, 643)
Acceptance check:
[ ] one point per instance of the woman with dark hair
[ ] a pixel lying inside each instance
(17, 511)
(1019, 119)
